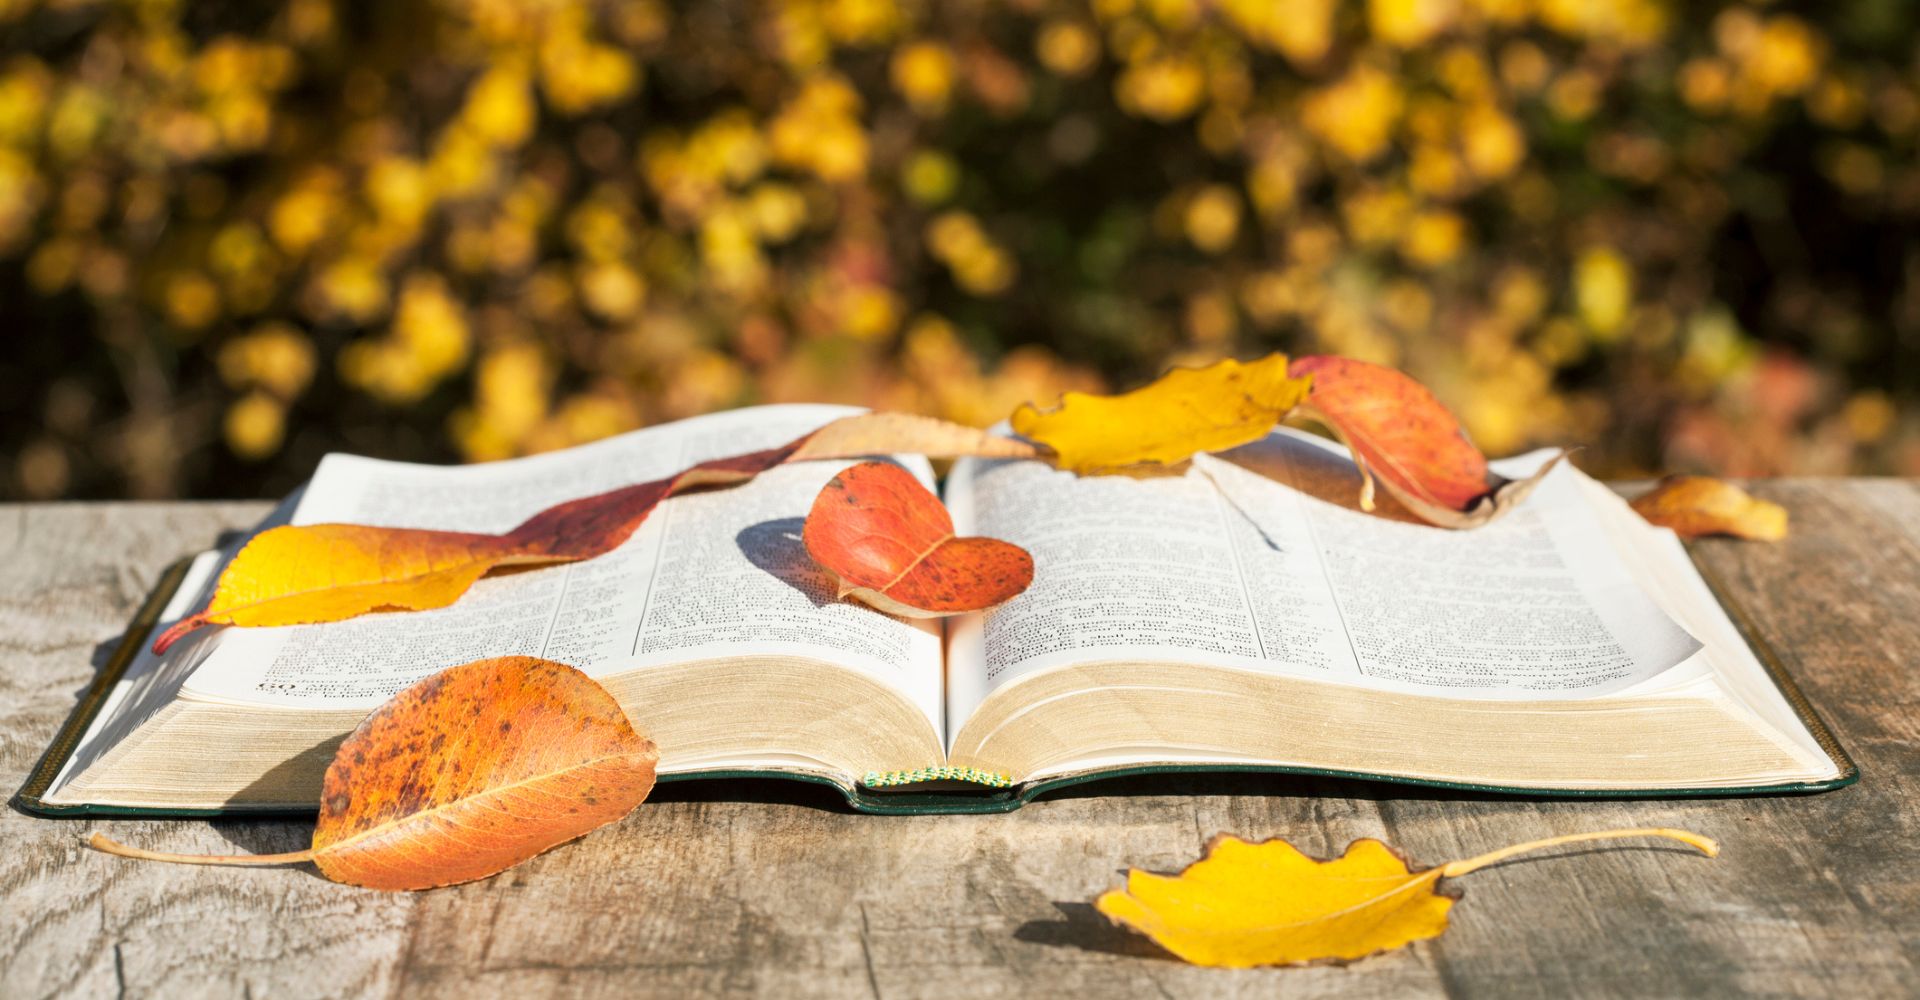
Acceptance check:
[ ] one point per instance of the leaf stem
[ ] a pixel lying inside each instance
(100, 842)
(1705, 845)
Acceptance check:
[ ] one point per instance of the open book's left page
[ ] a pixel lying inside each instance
(709, 576)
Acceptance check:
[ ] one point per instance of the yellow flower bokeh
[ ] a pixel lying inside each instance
(1672, 232)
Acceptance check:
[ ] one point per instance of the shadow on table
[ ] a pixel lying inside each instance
(776, 791)
(1084, 928)
(1265, 784)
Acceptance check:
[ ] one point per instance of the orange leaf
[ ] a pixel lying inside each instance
(1246, 904)
(889, 542)
(466, 774)
(300, 574)
(1701, 505)
(1403, 436)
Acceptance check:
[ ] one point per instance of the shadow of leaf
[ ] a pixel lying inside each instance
(775, 547)
(1084, 928)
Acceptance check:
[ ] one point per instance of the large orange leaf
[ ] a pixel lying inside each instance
(1410, 442)
(1701, 505)
(466, 774)
(1246, 904)
(889, 542)
(1167, 421)
(329, 572)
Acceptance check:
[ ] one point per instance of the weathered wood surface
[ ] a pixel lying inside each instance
(770, 888)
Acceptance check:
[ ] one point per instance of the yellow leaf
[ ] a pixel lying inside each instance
(1701, 505)
(1187, 410)
(1246, 904)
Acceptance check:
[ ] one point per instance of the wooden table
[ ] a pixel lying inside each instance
(772, 888)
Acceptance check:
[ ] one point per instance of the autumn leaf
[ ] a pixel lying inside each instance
(1185, 411)
(466, 774)
(889, 542)
(1400, 435)
(1701, 505)
(1243, 904)
(1407, 440)
(301, 574)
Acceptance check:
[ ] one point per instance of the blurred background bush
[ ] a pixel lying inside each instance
(234, 236)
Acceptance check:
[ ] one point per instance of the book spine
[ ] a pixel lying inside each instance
(920, 775)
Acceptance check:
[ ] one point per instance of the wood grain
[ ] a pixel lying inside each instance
(768, 888)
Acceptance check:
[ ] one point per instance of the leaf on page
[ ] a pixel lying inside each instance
(1694, 506)
(1244, 904)
(1407, 440)
(1167, 421)
(1400, 435)
(330, 572)
(466, 774)
(889, 543)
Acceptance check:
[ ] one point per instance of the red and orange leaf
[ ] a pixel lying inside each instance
(1694, 506)
(466, 774)
(1405, 438)
(475, 770)
(330, 572)
(889, 542)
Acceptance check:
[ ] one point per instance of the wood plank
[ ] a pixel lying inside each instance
(77, 923)
(767, 888)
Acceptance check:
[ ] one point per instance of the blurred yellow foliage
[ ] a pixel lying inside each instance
(1356, 114)
(1603, 290)
(477, 229)
(923, 72)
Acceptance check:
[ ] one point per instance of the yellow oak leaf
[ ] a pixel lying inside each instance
(1247, 904)
(1185, 411)
(1701, 505)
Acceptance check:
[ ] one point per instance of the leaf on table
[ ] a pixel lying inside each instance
(1404, 437)
(301, 574)
(466, 774)
(1185, 411)
(889, 543)
(1701, 505)
(1244, 904)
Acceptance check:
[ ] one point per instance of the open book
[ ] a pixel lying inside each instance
(1242, 615)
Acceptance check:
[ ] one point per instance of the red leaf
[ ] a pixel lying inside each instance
(1410, 441)
(888, 542)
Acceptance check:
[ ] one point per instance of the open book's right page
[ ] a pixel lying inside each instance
(1260, 559)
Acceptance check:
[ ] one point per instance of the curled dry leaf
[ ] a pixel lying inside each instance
(1246, 904)
(1701, 505)
(889, 542)
(466, 774)
(330, 572)
(1185, 411)
(1404, 437)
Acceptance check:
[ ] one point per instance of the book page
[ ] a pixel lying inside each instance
(1259, 560)
(710, 575)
